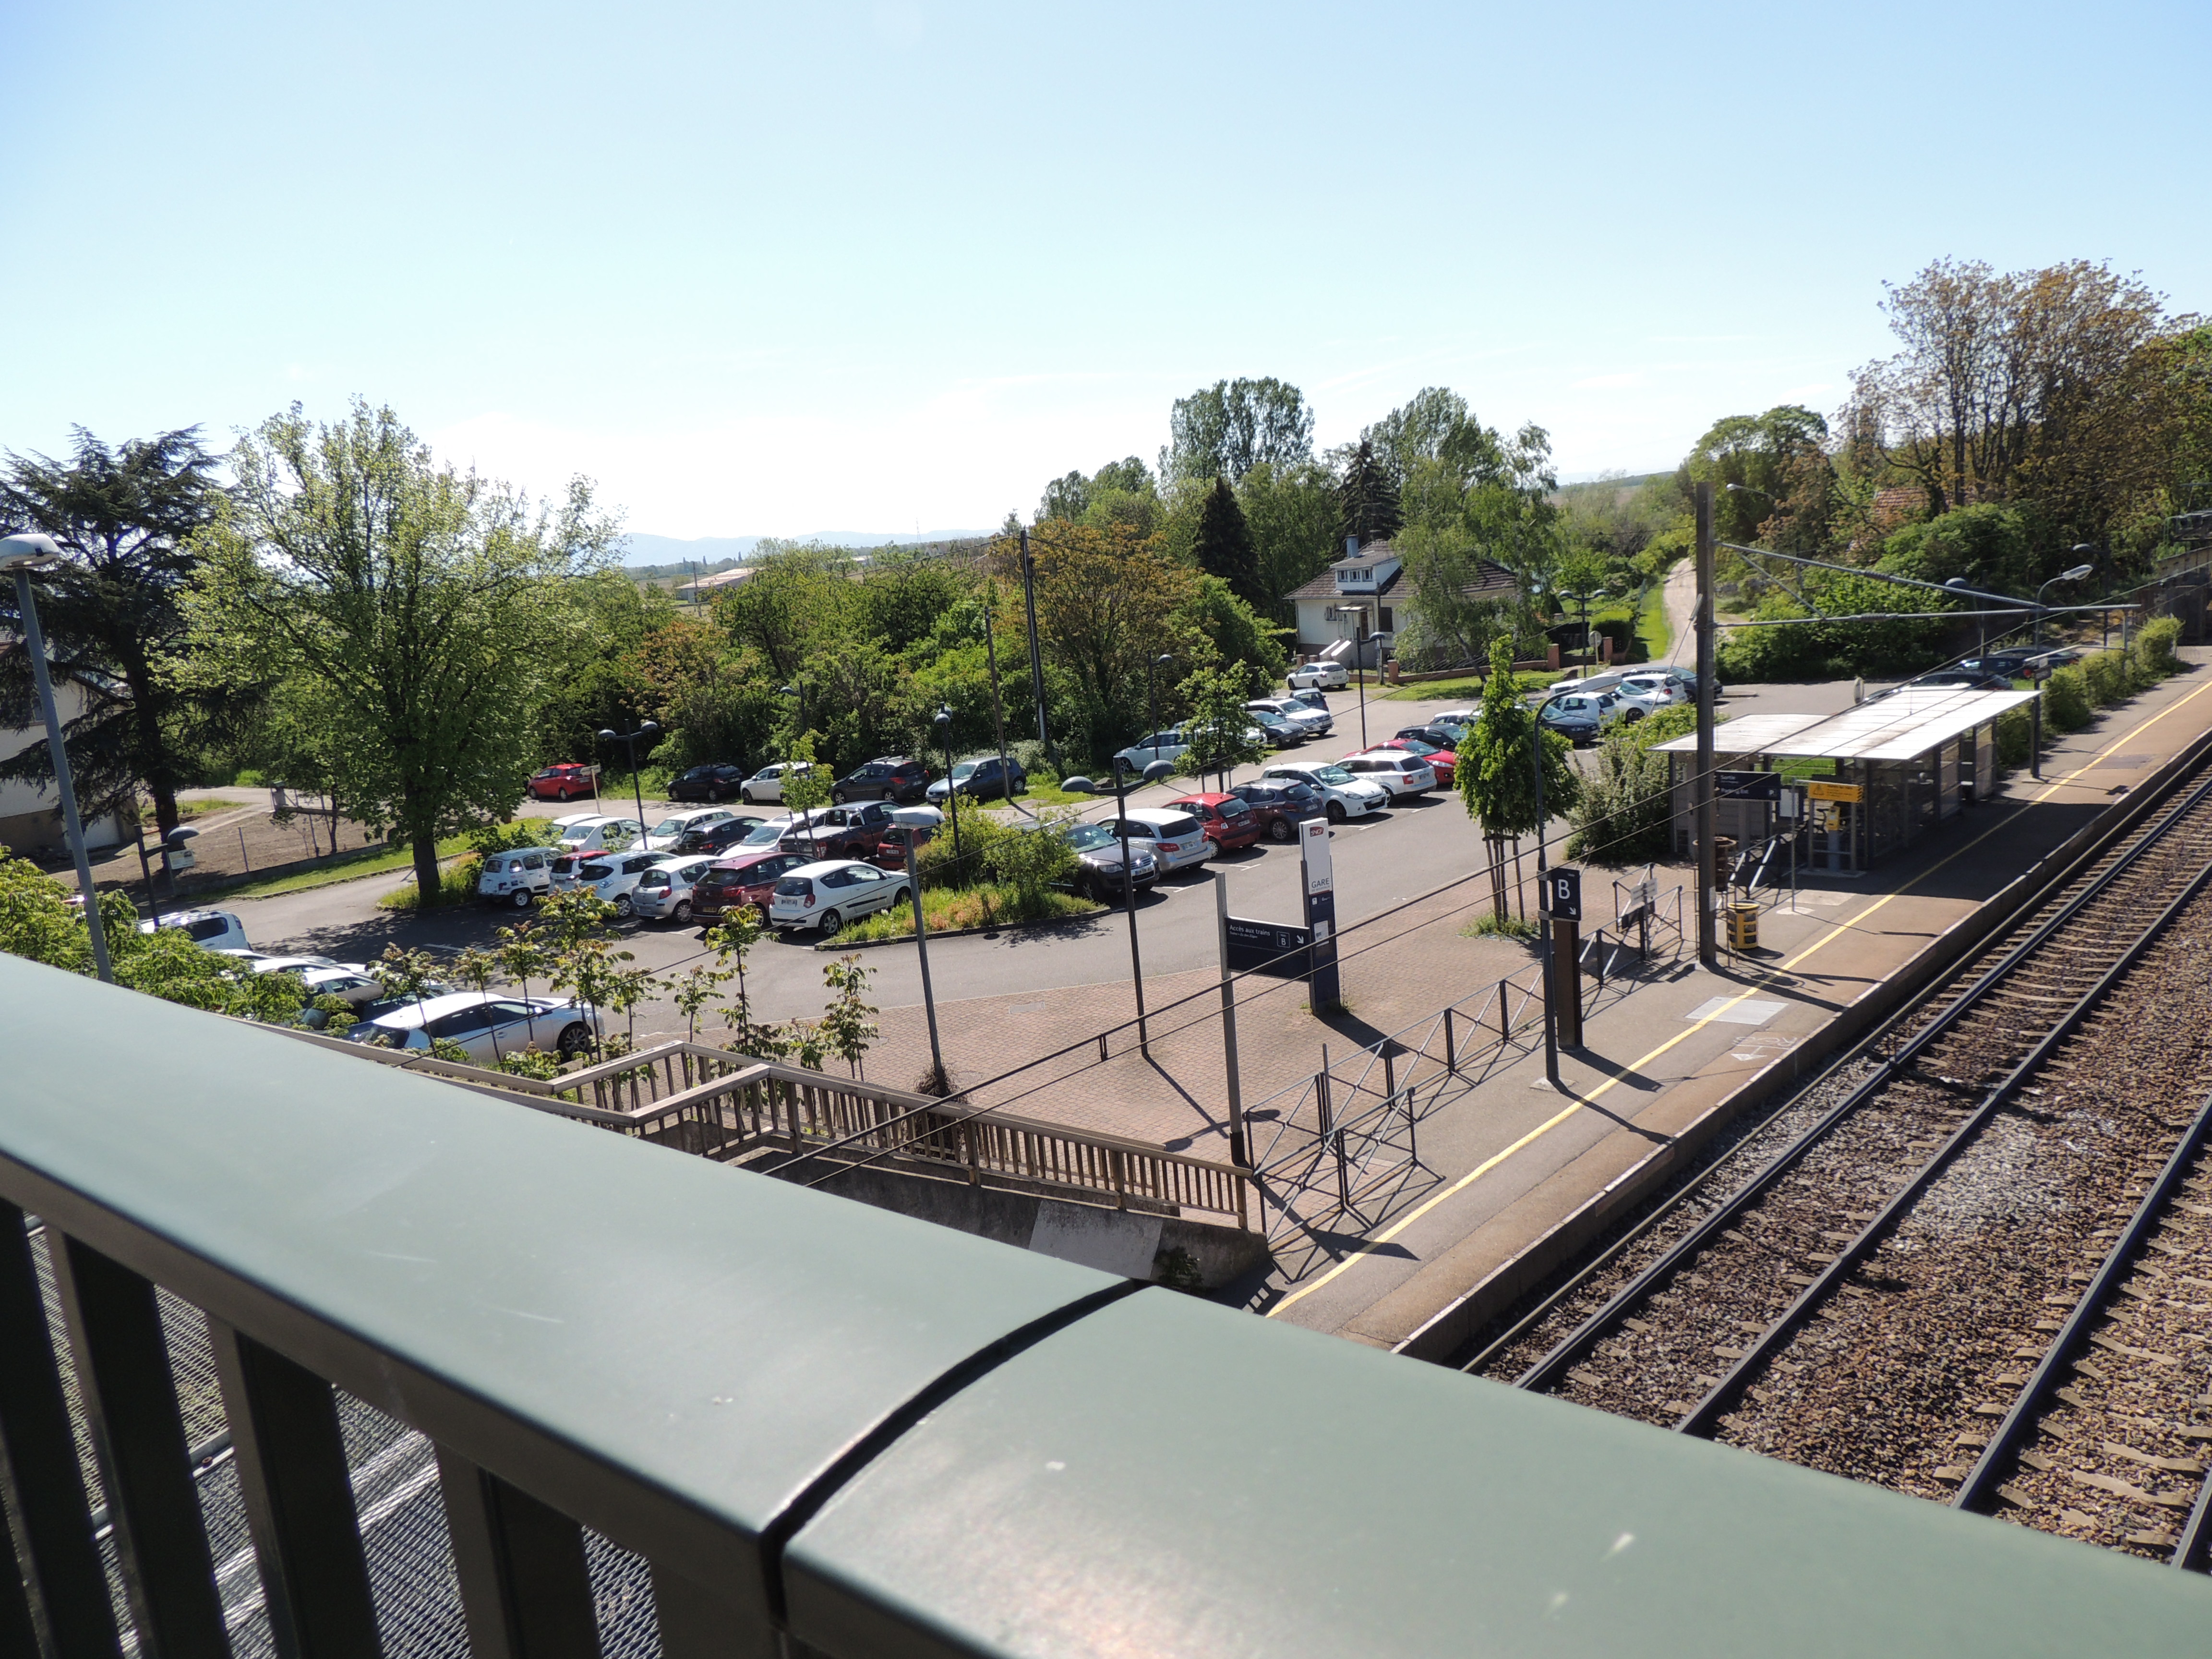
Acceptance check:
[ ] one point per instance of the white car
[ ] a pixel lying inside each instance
(1175, 839)
(664, 892)
(767, 784)
(830, 892)
(218, 930)
(1167, 745)
(1328, 676)
(614, 877)
(594, 832)
(1401, 774)
(1314, 722)
(664, 836)
(1343, 795)
(486, 1024)
(1650, 692)
(350, 980)
(517, 877)
(1457, 721)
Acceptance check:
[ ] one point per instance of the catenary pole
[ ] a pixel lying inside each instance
(1237, 1150)
(1036, 650)
(1701, 787)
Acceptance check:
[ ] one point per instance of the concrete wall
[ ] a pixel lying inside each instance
(1131, 1243)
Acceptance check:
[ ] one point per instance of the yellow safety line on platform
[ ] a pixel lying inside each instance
(1367, 1247)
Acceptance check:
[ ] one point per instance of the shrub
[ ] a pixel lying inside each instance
(2154, 647)
(510, 837)
(2015, 736)
(2066, 701)
(2104, 676)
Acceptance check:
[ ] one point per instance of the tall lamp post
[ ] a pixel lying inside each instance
(2035, 736)
(19, 555)
(628, 740)
(943, 721)
(1152, 774)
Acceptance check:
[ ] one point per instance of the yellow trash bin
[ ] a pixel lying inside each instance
(1743, 926)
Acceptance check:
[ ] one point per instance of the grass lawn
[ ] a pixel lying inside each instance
(1046, 794)
(189, 809)
(367, 861)
(1468, 689)
(986, 906)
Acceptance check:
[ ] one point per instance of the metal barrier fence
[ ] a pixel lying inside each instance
(1351, 1127)
(716, 1104)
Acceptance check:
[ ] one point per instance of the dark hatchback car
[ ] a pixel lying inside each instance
(735, 883)
(1098, 862)
(717, 781)
(1966, 679)
(718, 837)
(982, 779)
(887, 777)
(1279, 806)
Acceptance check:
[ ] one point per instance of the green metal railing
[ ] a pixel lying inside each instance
(821, 1427)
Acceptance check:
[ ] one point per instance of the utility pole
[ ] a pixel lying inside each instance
(1544, 911)
(1236, 1149)
(1701, 787)
(1036, 651)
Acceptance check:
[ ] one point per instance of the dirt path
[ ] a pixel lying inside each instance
(1680, 597)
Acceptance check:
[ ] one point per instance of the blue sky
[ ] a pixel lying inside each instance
(891, 265)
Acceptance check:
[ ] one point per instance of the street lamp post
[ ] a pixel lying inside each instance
(1152, 774)
(943, 721)
(2035, 735)
(628, 740)
(18, 556)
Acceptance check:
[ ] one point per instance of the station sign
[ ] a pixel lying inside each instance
(1818, 790)
(1747, 786)
(1268, 947)
(1563, 895)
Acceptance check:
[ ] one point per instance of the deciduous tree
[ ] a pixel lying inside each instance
(1229, 428)
(408, 614)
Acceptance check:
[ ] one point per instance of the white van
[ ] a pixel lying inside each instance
(517, 877)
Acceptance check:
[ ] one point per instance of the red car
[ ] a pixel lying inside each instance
(1442, 762)
(1229, 822)
(734, 883)
(564, 781)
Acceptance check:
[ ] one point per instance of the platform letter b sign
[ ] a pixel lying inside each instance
(1563, 892)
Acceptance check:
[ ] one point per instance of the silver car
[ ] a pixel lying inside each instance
(486, 1025)
(664, 892)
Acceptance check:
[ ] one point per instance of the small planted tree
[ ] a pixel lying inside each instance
(1220, 729)
(1496, 771)
(804, 791)
(844, 1028)
(479, 968)
(523, 957)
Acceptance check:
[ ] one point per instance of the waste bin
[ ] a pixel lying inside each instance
(1743, 926)
(1723, 858)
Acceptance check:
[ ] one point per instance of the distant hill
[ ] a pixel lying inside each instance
(668, 555)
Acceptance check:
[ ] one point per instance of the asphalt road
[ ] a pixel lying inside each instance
(1382, 861)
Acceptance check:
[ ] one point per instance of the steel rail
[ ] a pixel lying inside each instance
(1703, 1417)
(2189, 1554)
(2004, 1445)
(1547, 1371)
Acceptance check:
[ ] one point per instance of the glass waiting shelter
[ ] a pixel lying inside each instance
(1866, 782)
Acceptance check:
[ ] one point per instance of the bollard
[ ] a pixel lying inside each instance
(1451, 1057)
(1389, 1075)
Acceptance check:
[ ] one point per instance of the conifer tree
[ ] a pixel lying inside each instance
(1224, 545)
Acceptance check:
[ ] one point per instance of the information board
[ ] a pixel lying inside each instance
(1747, 786)
(1269, 947)
(1850, 791)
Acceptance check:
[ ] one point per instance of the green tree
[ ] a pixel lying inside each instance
(1220, 726)
(1496, 772)
(1226, 429)
(1780, 461)
(1367, 493)
(114, 614)
(1224, 546)
(1292, 510)
(1626, 809)
(409, 615)
(844, 1028)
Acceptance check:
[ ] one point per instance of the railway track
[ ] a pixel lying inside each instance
(1917, 1261)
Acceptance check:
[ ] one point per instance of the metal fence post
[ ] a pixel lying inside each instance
(1505, 1013)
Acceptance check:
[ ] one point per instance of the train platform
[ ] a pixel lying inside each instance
(1513, 1174)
